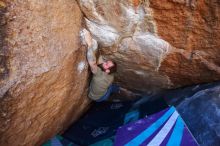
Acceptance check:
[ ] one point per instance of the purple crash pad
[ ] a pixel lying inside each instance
(165, 128)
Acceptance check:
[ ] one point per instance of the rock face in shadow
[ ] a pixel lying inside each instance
(201, 114)
(157, 45)
(43, 70)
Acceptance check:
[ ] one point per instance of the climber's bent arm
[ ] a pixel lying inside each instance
(91, 57)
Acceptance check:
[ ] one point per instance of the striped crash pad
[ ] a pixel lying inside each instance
(165, 128)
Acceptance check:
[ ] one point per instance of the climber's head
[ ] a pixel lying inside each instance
(108, 66)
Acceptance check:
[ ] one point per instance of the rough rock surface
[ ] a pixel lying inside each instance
(43, 70)
(158, 44)
(193, 28)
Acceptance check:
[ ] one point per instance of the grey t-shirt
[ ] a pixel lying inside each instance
(99, 84)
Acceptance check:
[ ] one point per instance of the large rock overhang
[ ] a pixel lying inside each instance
(157, 45)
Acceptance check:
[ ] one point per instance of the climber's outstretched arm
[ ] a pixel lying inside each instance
(92, 58)
(92, 48)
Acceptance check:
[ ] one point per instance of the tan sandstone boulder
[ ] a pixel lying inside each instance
(43, 70)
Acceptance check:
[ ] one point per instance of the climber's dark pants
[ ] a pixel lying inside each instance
(111, 89)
